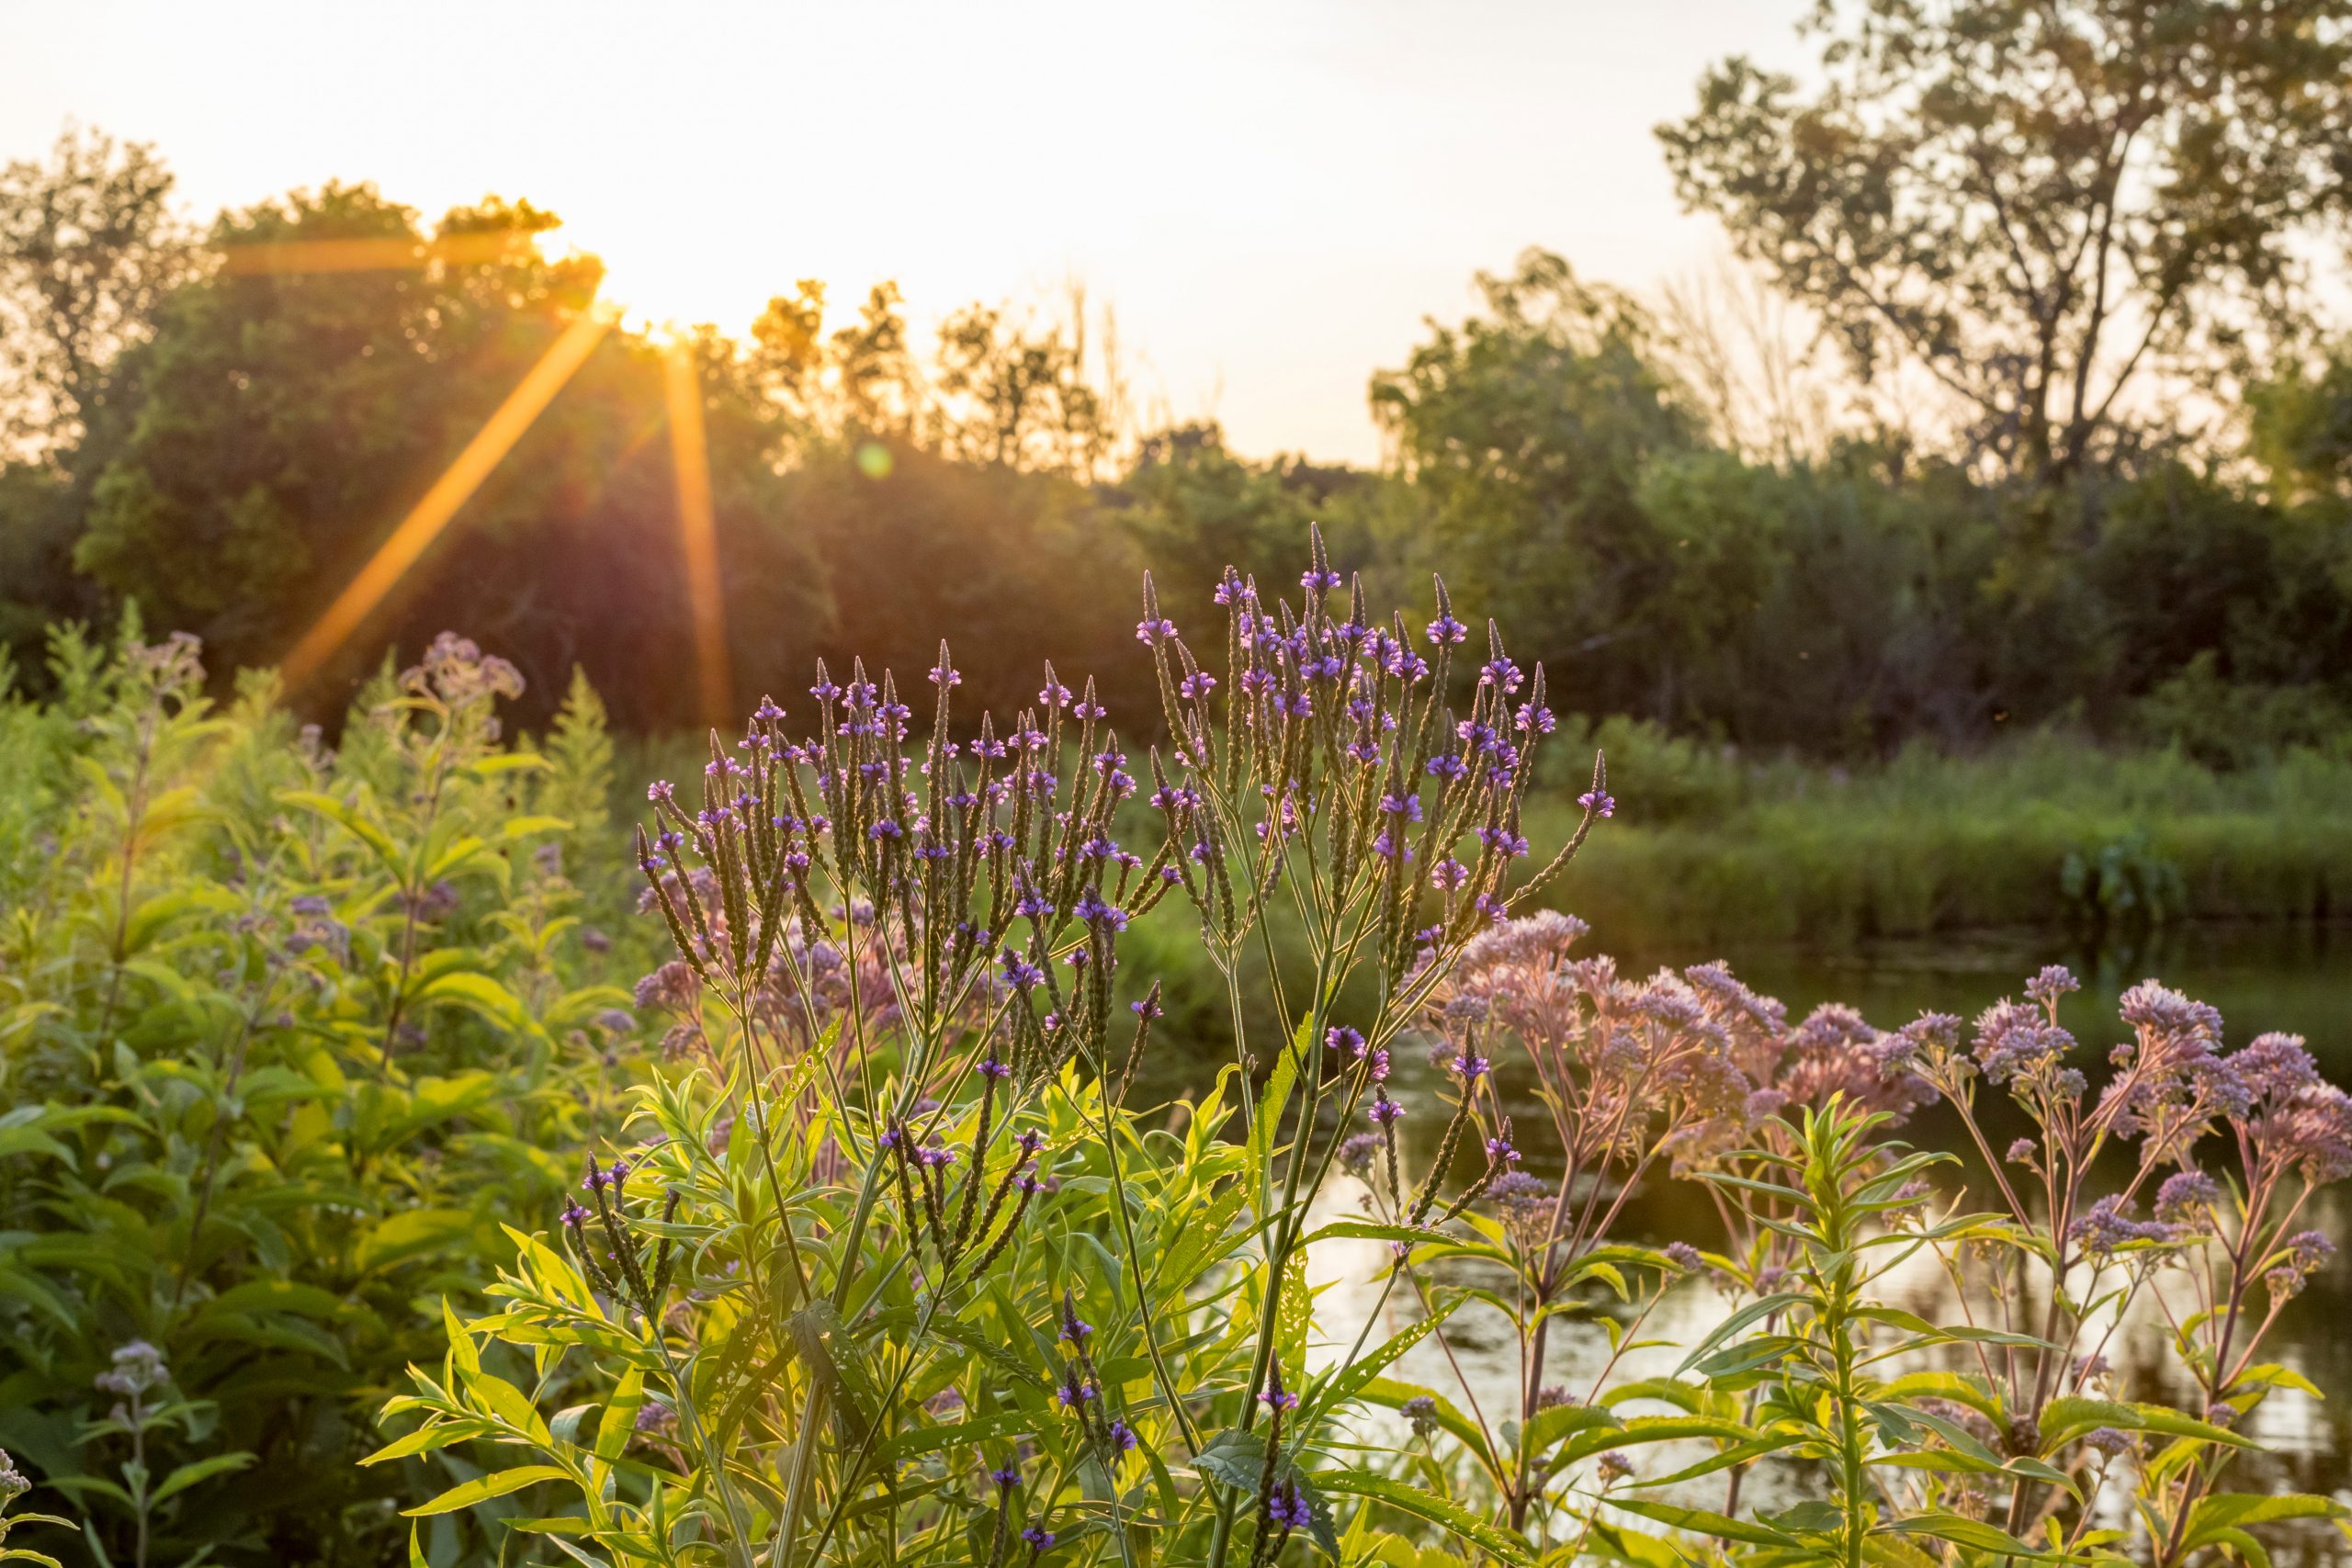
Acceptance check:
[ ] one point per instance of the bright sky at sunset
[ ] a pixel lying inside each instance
(1272, 195)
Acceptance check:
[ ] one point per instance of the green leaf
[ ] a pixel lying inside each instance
(1373, 1230)
(2232, 1510)
(1936, 1334)
(2271, 1375)
(1345, 1384)
(503, 1400)
(2244, 1544)
(1701, 1522)
(410, 1232)
(619, 1419)
(2064, 1419)
(1393, 1395)
(1964, 1531)
(818, 1337)
(1272, 1102)
(348, 819)
(1949, 1386)
(1320, 1528)
(1739, 1453)
(1548, 1426)
(479, 992)
(1234, 1457)
(187, 1475)
(1641, 1430)
(1754, 1312)
(507, 763)
(425, 1439)
(484, 1488)
(1439, 1511)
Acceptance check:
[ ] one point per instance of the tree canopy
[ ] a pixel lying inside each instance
(1576, 462)
(89, 248)
(2042, 206)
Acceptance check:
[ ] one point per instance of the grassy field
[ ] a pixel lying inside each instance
(2048, 831)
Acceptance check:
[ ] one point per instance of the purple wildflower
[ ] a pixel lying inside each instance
(2107, 1226)
(1287, 1506)
(2185, 1197)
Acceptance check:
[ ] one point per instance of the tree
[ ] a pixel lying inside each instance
(1527, 429)
(1193, 508)
(1012, 569)
(1026, 395)
(289, 416)
(2302, 431)
(2043, 204)
(88, 248)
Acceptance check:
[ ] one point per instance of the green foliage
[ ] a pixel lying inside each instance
(1929, 842)
(892, 1271)
(2035, 203)
(892, 1263)
(238, 517)
(89, 248)
(287, 1032)
(1527, 429)
(1876, 585)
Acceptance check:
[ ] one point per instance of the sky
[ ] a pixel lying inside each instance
(1270, 197)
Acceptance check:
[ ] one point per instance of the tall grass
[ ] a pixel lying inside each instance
(1707, 846)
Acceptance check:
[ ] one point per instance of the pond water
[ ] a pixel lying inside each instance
(2261, 979)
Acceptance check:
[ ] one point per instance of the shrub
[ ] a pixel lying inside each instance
(288, 1031)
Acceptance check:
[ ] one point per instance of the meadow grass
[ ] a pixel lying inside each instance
(1706, 847)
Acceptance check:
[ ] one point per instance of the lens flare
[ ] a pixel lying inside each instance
(463, 477)
(698, 531)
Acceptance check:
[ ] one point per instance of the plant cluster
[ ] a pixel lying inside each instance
(286, 1030)
(890, 1265)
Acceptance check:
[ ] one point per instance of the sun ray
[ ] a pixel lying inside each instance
(458, 482)
(698, 531)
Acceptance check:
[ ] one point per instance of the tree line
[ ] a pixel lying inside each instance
(2021, 410)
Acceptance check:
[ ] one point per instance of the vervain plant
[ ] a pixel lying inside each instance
(889, 1267)
(905, 1274)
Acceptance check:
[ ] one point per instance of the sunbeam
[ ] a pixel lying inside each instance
(430, 515)
(698, 531)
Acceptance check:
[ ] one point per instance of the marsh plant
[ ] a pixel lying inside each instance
(894, 1263)
(287, 1028)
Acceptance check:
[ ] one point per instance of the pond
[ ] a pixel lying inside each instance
(2261, 978)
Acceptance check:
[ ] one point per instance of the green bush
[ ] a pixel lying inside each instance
(2046, 829)
(288, 1031)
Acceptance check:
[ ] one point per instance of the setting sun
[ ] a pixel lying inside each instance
(1264, 196)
